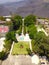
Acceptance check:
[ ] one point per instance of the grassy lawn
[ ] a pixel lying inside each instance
(20, 48)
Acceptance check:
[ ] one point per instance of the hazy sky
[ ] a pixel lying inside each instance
(4, 1)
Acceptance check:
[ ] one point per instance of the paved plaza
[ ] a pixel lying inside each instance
(18, 60)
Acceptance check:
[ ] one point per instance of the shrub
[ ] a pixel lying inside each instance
(29, 51)
(2, 55)
(7, 45)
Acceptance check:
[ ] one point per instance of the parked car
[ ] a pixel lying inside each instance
(43, 63)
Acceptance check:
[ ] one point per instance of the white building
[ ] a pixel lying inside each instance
(35, 59)
(2, 43)
(23, 37)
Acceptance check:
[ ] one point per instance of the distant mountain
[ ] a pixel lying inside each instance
(25, 7)
(3, 10)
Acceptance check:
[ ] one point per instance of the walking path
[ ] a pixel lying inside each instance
(30, 45)
(41, 29)
(44, 32)
(11, 48)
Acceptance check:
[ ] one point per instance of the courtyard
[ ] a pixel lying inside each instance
(21, 48)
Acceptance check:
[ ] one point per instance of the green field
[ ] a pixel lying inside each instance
(21, 48)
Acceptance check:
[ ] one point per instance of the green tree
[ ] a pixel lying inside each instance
(17, 21)
(19, 31)
(2, 18)
(40, 44)
(11, 36)
(32, 31)
(35, 47)
(30, 19)
(39, 37)
(2, 55)
(7, 45)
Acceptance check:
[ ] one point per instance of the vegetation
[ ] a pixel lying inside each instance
(21, 48)
(2, 18)
(40, 44)
(7, 45)
(6, 50)
(29, 20)
(11, 36)
(17, 21)
(2, 55)
(32, 31)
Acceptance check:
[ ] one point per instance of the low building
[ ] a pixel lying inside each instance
(2, 43)
(40, 21)
(3, 30)
(2, 22)
(47, 30)
(23, 37)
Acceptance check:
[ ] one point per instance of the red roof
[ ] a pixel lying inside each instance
(4, 29)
